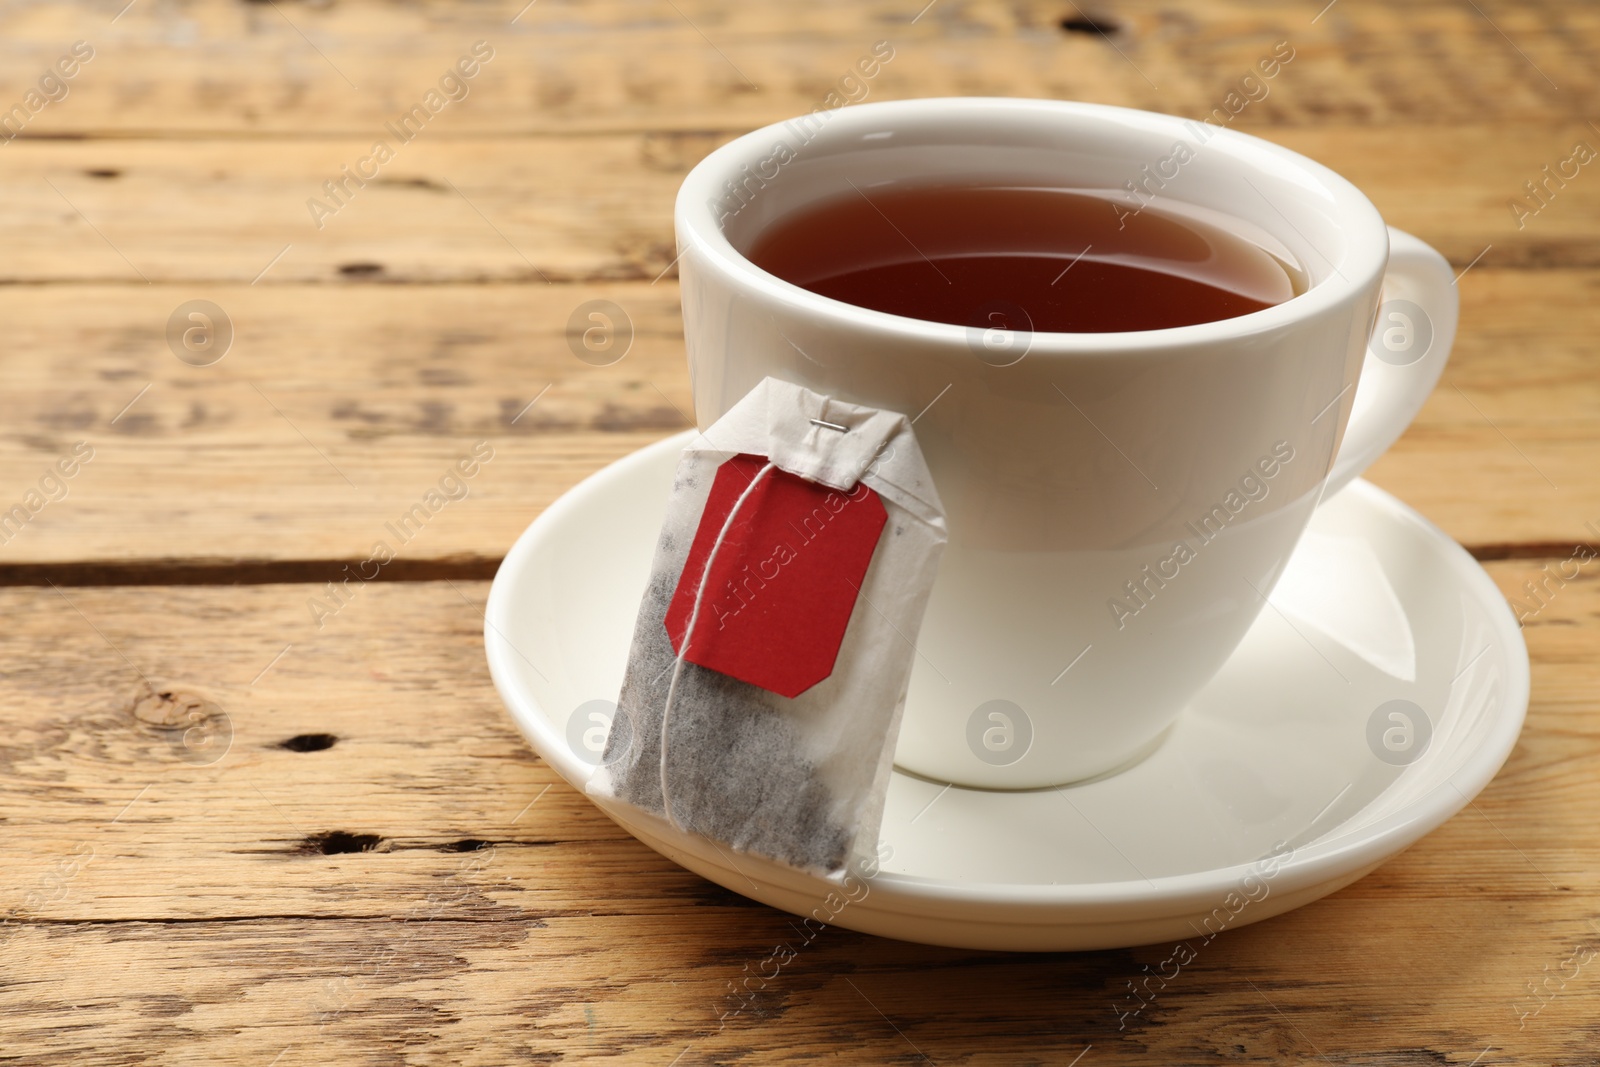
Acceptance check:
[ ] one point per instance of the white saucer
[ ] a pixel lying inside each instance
(1377, 605)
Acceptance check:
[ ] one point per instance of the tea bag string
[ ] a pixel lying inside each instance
(688, 634)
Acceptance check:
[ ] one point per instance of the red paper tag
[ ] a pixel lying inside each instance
(784, 581)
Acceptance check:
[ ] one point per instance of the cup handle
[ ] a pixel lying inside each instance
(1418, 310)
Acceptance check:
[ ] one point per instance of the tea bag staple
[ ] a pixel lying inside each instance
(763, 703)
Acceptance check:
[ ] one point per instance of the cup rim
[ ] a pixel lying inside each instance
(1364, 258)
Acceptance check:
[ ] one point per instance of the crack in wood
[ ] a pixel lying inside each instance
(466, 568)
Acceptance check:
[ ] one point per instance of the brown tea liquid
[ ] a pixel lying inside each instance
(1071, 261)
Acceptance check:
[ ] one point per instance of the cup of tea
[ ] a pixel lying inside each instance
(1139, 351)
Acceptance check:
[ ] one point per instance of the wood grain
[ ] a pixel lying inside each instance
(188, 68)
(210, 914)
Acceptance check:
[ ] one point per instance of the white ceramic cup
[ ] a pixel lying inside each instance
(1068, 628)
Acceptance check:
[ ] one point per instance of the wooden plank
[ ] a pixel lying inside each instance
(388, 386)
(170, 69)
(568, 208)
(337, 410)
(161, 902)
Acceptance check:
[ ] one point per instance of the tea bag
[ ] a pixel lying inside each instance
(774, 644)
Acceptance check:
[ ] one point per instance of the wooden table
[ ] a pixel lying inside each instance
(237, 829)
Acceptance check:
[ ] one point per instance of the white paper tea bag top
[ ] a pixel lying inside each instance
(776, 636)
